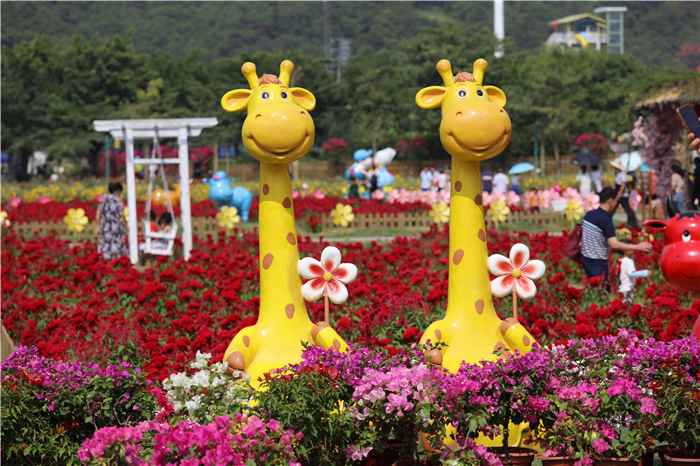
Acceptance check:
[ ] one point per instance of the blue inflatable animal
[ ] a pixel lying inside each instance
(222, 194)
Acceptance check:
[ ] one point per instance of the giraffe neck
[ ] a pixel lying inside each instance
(469, 287)
(280, 283)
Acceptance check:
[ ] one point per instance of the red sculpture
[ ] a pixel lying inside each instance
(680, 258)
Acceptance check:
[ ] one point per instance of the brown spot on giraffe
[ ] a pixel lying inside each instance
(526, 340)
(480, 306)
(438, 335)
(289, 310)
(478, 199)
(291, 238)
(287, 203)
(266, 189)
(336, 344)
(267, 261)
(482, 235)
(459, 255)
(458, 186)
(246, 340)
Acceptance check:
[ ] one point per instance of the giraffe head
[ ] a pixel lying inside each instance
(278, 128)
(474, 125)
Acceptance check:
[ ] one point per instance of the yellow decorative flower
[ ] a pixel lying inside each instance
(623, 233)
(362, 189)
(574, 210)
(3, 219)
(228, 217)
(387, 189)
(75, 219)
(498, 211)
(440, 212)
(342, 215)
(126, 215)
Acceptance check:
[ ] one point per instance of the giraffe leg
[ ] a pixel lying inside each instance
(242, 350)
(324, 335)
(516, 336)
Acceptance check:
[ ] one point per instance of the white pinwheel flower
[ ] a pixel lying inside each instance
(327, 277)
(516, 271)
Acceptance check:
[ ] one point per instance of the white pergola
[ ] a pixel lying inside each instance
(182, 129)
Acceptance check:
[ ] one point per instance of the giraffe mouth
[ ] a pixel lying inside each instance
(475, 151)
(278, 153)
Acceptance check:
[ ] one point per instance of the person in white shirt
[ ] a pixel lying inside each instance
(500, 182)
(584, 182)
(627, 282)
(442, 179)
(426, 176)
(597, 178)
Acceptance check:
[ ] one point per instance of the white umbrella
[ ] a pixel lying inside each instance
(628, 162)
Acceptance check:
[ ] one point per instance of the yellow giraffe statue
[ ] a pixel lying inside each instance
(474, 128)
(278, 130)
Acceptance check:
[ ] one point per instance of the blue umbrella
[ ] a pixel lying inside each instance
(521, 168)
(5, 158)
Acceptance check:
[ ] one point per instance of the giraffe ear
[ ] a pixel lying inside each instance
(304, 98)
(496, 95)
(430, 97)
(236, 101)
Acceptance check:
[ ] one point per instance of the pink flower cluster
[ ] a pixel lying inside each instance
(236, 442)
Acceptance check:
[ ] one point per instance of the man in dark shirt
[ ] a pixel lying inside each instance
(598, 236)
(487, 180)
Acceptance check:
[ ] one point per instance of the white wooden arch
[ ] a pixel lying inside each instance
(182, 129)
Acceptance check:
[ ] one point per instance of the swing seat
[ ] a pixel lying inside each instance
(159, 244)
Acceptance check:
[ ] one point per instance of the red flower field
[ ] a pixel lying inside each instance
(64, 298)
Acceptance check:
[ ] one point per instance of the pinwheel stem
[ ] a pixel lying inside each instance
(327, 306)
(515, 305)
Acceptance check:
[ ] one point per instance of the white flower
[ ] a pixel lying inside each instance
(201, 360)
(517, 271)
(219, 368)
(218, 381)
(194, 404)
(180, 380)
(326, 278)
(201, 378)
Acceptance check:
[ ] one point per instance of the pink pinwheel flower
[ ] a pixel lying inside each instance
(43, 200)
(14, 202)
(590, 202)
(404, 196)
(444, 196)
(318, 194)
(378, 194)
(571, 194)
(517, 271)
(635, 199)
(392, 196)
(326, 278)
(295, 194)
(512, 199)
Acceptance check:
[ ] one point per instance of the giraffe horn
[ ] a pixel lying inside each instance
(248, 70)
(479, 69)
(286, 69)
(445, 69)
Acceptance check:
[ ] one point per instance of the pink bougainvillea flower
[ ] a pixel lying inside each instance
(516, 271)
(326, 278)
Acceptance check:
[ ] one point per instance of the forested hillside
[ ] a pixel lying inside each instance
(655, 31)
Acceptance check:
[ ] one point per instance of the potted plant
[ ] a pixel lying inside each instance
(672, 376)
(596, 407)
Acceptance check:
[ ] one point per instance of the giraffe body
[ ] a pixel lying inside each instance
(474, 128)
(277, 131)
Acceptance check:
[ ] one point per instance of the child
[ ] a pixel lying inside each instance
(627, 282)
(354, 190)
(153, 225)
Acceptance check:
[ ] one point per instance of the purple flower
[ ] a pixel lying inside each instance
(649, 406)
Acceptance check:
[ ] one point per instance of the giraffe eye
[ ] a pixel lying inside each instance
(480, 93)
(462, 93)
(265, 95)
(284, 95)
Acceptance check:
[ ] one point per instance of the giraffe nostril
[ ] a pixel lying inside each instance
(258, 116)
(503, 111)
(459, 114)
(302, 113)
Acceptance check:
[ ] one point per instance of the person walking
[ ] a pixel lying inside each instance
(597, 178)
(598, 236)
(515, 184)
(678, 186)
(620, 178)
(426, 176)
(500, 182)
(584, 182)
(442, 179)
(110, 216)
(487, 180)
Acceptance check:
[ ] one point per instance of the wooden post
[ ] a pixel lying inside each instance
(557, 161)
(542, 161)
